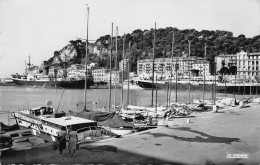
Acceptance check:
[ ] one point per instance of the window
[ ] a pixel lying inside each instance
(14, 135)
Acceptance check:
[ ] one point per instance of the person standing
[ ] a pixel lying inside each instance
(62, 140)
(73, 140)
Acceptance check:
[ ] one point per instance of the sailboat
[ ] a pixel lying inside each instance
(46, 121)
(108, 119)
(148, 112)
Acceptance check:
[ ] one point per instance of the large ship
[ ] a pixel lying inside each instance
(51, 77)
(239, 87)
(48, 82)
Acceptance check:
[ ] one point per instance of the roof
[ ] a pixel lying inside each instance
(68, 120)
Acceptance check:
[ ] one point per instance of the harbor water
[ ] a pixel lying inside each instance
(16, 98)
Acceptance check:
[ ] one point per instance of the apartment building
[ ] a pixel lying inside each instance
(225, 59)
(198, 68)
(166, 65)
(248, 64)
(100, 74)
(123, 65)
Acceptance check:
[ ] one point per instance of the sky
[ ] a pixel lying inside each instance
(40, 27)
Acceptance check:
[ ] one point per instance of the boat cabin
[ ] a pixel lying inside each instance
(53, 125)
(39, 111)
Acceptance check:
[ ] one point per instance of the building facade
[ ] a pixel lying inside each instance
(100, 74)
(166, 66)
(115, 78)
(248, 65)
(225, 59)
(123, 65)
(198, 68)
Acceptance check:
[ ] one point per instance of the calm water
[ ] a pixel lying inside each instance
(14, 98)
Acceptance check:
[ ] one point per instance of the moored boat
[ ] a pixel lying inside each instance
(45, 122)
(47, 82)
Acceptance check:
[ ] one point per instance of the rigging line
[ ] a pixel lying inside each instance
(97, 105)
(60, 99)
(71, 101)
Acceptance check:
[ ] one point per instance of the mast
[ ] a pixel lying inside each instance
(110, 63)
(189, 69)
(204, 72)
(116, 72)
(215, 81)
(176, 78)
(29, 64)
(171, 71)
(224, 74)
(128, 69)
(122, 95)
(86, 69)
(156, 96)
(153, 62)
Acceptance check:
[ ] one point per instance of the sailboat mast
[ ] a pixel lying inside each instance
(224, 77)
(170, 92)
(204, 76)
(122, 96)
(128, 70)
(86, 69)
(176, 78)
(189, 70)
(116, 72)
(153, 61)
(110, 68)
(156, 97)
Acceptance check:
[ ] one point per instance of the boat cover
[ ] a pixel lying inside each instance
(6, 128)
(104, 118)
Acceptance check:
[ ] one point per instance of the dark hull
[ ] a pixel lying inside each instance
(148, 84)
(79, 84)
(242, 89)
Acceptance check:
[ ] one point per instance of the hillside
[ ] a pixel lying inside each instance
(141, 44)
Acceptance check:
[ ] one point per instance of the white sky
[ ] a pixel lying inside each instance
(40, 27)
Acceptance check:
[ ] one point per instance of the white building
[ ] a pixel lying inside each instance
(199, 67)
(100, 74)
(125, 63)
(248, 64)
(164, 66)
(114, 77)
(76, 71)
(226, 59)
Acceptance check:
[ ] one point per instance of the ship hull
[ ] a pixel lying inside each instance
(228, 88)
(78, 84)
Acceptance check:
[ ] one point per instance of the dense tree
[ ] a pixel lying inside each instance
(141, 44)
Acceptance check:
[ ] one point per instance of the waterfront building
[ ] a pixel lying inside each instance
(115, 78)
(225, 59)
(76, 71)
(248, 64)
(162, 66)
(100, 74)
(125, 62)
(198, 68)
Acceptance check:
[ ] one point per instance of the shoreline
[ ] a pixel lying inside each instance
(207, 138)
